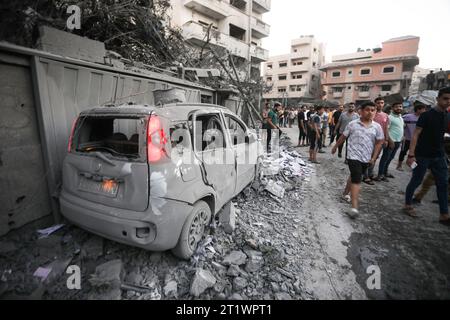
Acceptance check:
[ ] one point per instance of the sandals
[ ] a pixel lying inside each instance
(410, 211)
(369, 181)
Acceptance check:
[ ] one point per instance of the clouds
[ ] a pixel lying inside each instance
(345, 25)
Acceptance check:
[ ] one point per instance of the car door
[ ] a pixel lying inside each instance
(243, 143)
(212, 149)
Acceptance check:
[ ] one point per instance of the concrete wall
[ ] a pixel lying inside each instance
(24, 195)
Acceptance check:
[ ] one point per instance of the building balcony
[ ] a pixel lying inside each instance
(259, 53)
(196, 34)
(261, 6)
(301, 41)
(337, 94)
(299, 68)
(260, 29)
(298, 81)
(211, 8)
(364, 94)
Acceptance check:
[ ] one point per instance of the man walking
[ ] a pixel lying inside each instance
(383, 120)
(440, 76)
(302, 124)
(334, 121)
(430, 78)
(315, 134)
(410, 120)
(396, 130)
(344, 119)
(365, 138)
(427, 152)
(270, 121)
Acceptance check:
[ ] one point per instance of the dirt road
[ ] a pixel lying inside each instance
(412, 254)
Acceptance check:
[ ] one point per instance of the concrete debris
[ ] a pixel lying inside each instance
(203, 280)
(7, 246)
(255, 261)
(275, 188)
(239, 283)
(171, 289)
(92, 248)
(227, 217)
(234, 270)
(235, 257)
(107, 273)
(282, 296)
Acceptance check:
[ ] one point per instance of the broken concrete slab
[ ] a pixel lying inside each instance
(227, 217)
(275, 188)
(107, 273)
(255, 260)
(234, 271)
(203, 280)
(239, 283)
(235, 257)
(171, 289)
(107, 281)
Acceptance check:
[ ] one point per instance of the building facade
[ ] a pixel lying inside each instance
(236, 25)
(366, 75)
(295, 77)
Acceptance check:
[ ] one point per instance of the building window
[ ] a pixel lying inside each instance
(296, 76)
(269, 78)
(386, 87)
(349, 87)
(282, 64)
(295, 88)
(237, 32)
(282, 77)
(388, 69)
(314, 64)
(365, 71)
(281, 89)
(269, 66)
(364, 88)
(350, 72)
(315, 49)
(240, 4)
(295, 50)
(336, 74)
(297, 63)
(337, 89)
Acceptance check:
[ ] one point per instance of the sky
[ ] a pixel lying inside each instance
(345, 25)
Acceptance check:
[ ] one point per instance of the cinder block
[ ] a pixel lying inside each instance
(227, 217)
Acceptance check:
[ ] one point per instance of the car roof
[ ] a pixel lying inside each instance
(174, 111)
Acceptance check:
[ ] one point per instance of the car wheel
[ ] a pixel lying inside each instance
(193, 230)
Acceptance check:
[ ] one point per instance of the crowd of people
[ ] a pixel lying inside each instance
(373, 131)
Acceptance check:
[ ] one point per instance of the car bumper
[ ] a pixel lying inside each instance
(149, 230)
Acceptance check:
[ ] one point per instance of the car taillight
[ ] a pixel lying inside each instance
(74, 124)
(156, 139)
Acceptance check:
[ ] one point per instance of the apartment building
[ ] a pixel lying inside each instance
(295, 77)
(367, 74)
(236, 25)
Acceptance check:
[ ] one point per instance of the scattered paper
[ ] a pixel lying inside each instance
(44, 233)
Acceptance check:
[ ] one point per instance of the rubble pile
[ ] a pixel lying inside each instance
(253, 257)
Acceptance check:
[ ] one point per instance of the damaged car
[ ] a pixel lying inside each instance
(154, 176)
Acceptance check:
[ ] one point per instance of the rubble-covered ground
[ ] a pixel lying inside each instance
(292, 240)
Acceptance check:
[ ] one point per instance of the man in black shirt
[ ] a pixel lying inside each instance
(334, 122)
(427, 152)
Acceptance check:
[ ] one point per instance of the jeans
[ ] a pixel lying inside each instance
(404, 150)
(439, 169)
(386, 158)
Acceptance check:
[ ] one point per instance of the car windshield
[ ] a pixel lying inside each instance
(117, 136)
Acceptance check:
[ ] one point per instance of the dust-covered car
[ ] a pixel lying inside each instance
(153, 177)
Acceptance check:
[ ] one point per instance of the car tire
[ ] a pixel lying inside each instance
(193, 230)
